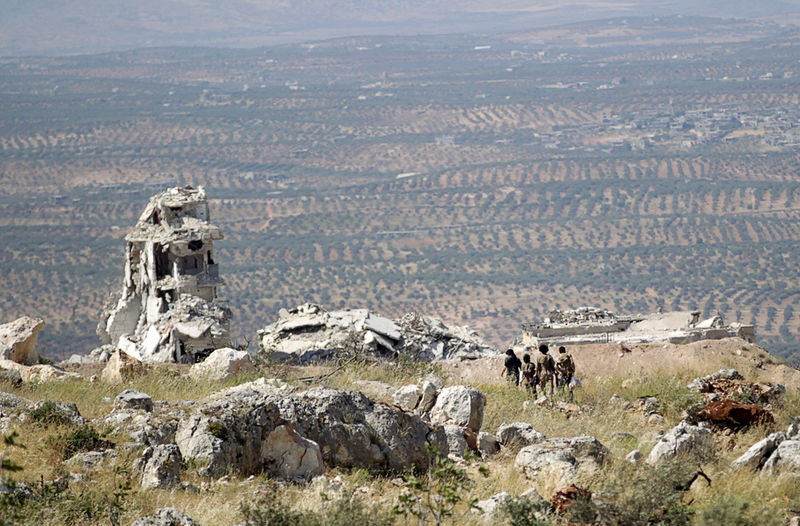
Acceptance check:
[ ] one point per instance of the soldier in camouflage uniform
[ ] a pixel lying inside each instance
(565, 369)
(545, 369)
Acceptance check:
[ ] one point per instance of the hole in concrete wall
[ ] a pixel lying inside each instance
(162, 262)
(195, 244)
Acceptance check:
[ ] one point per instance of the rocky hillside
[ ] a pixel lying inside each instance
(705, 433)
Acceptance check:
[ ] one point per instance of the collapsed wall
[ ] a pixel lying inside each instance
(591, 325)
(166, 309)
(309, 333)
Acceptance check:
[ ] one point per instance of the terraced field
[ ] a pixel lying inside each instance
(482, 187)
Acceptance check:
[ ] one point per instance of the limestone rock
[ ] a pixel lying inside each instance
(91, 461)
(634, 457)
(429, 394)
(785, 459)
(456, 440)
(683, 439)
(757, 454)
(18, 340)
(36, 373)
(427, 338)
(133, 399)
(238, 433)
(166, 517)
(159, 466)
(223, 363)
(488, 444)
(374, 389)
(518, 434)
(459, 405)
(704, 384)
(491, 508)
(655, 419)
(121, 367)
(563, 458)
(62, 412)
(407, 397)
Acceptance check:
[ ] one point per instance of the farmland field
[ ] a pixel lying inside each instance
(482, 180)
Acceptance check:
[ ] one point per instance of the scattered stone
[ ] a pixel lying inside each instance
(655, 419)
(133, 399)
(682, 440)
(648, 404)
(159, 466)
(166, 517)
(634, 457)
(488, 444)
(566, 497)
(428, 400)
(91, 461)
(785, 459)
(122, 367)
(374, 389)
(407, 397)
(563, 458)
(459, 405)
(165, 310)
(18, 340)
(620, 402)
(490, 508)
(36, 373)
(705, 384)
(223, 364)
(58, 413)
(11, 376)
(542, 401)
(518, 434)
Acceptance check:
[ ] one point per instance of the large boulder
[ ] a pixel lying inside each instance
(785, 459)
(122, 367)
(133, 399)
(159, 466)
(35, 373)
(241, 433)
(518, 434)
(491, 508)
(756, 455)
(428, 398)
(223, 363)
(459, 405)
(407, 397)
(562, 458)
(18, 340)
(685, 439)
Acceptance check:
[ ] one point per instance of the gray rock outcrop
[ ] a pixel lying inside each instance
(491, 508)
(159, 466)
(778, 453)
(488, 444)
(459, 405)
(407, 397)
(682, 440)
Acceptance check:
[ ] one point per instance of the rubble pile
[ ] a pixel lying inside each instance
(308, 333)
(728, 384)
(166, 310)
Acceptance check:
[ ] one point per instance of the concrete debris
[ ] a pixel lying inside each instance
(308, 333)
(592, 325)
(427, 339)
(728, 384)
(18, 340)
(166, 309)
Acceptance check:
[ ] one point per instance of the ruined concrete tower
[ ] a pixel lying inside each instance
(166, 310)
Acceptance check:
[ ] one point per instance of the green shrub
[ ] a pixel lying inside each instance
(49, 413)
(85, 438)
(528, 512)
(218, 429)
(735, 510)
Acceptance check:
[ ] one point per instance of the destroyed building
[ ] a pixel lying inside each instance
(308, 333)
(592, 325)
(166, 310)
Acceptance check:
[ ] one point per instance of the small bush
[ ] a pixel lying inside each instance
(50, 413)
(85, 438)
(528, 512)
(735, 510)
(218, 429)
